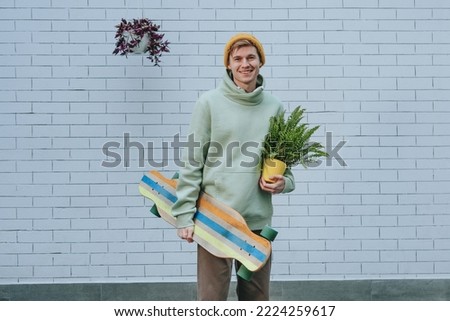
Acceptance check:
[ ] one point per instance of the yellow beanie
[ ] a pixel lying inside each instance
(243, 36)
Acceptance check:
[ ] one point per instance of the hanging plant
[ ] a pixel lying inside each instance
(140, 36)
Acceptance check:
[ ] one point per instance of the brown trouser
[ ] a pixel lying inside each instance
(214, 276)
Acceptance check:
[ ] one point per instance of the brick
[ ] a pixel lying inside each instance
(325, 210)
(415, 175)
(306, 37)
(204, 14)
(397, 71)
(46, 202)
(379, 220)
(360, 233)
(360, 71)
(398, 95)
(7, 72)
(89, 271)
(71, 236)
(379, 268)
(407, 50)
(106, 235)
(416, 267)
(398, 232)
(342, 83)
(325, 188)
(415, 220)
(51, 178)
(34, 190)
(378, 60)
(90, 201)
(52, 271)
(70, 96)
(17, 13)
(17, 37)
(436, 4)
(16, 201)
(432, 187)
(406, 25)
(440, 244)
(361, 256)
(84, 61)
(255, 25)
(396, 4)
(427, 209)
(34, 236)
(16, 272)
(360, 25)
(8, 120)
(357, 4)
(9, 260)
(35, 259)
(148, 259)
(87, 131)
(126, 271)
(163, 270)
(15, 225)
(343, 268)
(306, 221)
(326, 233)
(325, 256)
(342, 37)
(361, 188)
(378, 37)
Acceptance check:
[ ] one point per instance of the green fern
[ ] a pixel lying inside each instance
(289, 141)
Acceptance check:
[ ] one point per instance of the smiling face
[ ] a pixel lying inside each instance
(244, 63)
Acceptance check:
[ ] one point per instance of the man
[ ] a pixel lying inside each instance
(227, 121)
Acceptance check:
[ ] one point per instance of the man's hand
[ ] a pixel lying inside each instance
(186, 233)
(276, 187)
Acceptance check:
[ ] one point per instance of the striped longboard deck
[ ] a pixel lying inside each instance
(218, 228)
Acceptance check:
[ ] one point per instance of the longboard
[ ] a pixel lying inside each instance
(218, 228)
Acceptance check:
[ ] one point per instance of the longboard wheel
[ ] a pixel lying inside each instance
(269, 233)
(245, 273)
(154, 211)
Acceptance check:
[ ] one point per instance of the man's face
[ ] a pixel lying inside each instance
(244, 64)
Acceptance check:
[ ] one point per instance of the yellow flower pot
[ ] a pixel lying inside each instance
(272, 167)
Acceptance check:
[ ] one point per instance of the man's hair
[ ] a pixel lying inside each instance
(242, 40)
(240, 44)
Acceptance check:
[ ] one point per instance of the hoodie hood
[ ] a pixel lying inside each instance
(239, 95)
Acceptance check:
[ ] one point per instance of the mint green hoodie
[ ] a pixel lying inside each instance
(230, 124)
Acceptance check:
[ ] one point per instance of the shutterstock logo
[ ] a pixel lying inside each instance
(119, 153)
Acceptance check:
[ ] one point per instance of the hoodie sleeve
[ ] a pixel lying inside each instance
(191, 174)
(289, 182)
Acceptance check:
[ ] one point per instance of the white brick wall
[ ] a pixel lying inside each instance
(374, 73)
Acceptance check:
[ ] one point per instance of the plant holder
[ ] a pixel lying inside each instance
(272, 167)
(141, 47)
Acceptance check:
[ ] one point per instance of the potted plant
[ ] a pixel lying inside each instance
(140, 36)
(288, 144)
